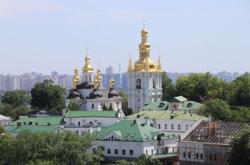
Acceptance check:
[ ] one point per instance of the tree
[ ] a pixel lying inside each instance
(16, 98)
(127, 111)
(45, 148)
(202, 87)
(14, 112)
(111, 107)
(240, 149)
(46, 96)
(168, 88)
(40, 162)
(241, 90)
(217, 109)
(73, 106)
(142, 160)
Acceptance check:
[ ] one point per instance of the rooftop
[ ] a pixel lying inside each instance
(39, 120)
(165, 105)
(215, 132)
(166, 115)
(31, 128)
(94, 113)
(132, 130)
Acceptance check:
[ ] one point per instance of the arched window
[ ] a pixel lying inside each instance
(154, 84)
(138, 84)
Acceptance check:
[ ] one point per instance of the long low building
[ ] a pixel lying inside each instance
(81, 122)
(130, 139)
(175, 122)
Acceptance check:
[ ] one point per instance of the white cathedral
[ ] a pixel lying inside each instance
(144, 77)
(144, 84)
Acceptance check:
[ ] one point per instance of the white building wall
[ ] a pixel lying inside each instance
(147, 94)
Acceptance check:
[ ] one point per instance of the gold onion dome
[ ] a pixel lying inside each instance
(145, 63)
(76, 78)
(87, 68)
(98, 80)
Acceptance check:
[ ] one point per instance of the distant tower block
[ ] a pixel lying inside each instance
(144, 77)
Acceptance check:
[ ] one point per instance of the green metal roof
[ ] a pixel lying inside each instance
(165, 106)
(166, 115)
(31, 128)
(131, 130)
(39, 120)
(75, 114)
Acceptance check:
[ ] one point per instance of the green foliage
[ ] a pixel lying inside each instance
(200, 87)
(73, 106)
(111, 107)
(2, 130)
(240, 149)
(142, 160)
(217, 109)
(240, 114)
(16, 98)
(61, 149)
(46, 96)
(167, 87)
(241, 90)
(14, 112)
(127, 111)
(40, 162)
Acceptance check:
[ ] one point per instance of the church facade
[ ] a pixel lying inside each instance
(144, 77)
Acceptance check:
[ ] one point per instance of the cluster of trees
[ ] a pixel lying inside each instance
(222, 100)
(54, 149)
(44, 96)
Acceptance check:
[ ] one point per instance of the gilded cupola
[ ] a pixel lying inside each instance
(76, 78)
(145, 63)
(87, 68)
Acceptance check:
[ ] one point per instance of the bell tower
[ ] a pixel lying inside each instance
(144, 77)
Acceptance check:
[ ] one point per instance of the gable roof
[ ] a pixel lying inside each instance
(131, 130)
(39, 120)
(166, 115)
(32, 129)
(165, 106)
(76, 114)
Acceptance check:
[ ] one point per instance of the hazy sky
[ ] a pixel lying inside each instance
(189, 35)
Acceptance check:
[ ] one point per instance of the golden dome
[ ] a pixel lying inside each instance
(98, 80)
(76, 78)
(87, 68)
(145, 63)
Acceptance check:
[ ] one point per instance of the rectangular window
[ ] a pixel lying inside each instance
(146, 152)
(166, 126)
(152, 152)
(179, 127)
(108, 151)
(123, 152)
(184, 154)
(197, 156)
(116, 151)
(189, 155)
(172, 126)
(131, 152)
(159, 126)
(186, 127)
(201, 156)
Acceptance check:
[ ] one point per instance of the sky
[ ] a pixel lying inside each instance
(188, 35)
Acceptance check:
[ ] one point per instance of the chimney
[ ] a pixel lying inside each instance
(18, 124)
(212, 128)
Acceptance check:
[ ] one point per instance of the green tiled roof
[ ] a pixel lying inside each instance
(159, 105)
(165, 115)
(31, 128)
(164, 106)
(131, 130)
(75, 114)
(40, 120)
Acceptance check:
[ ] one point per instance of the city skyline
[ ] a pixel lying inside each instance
(192, 36)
